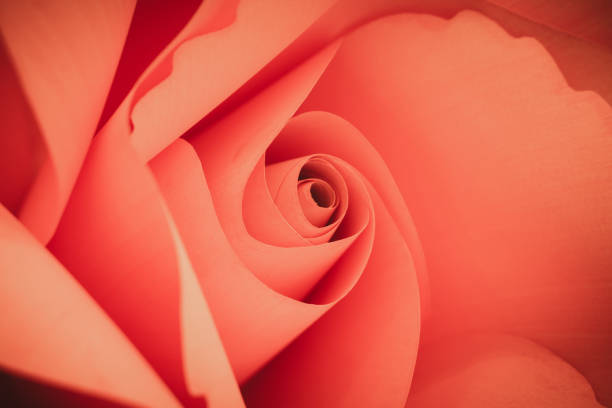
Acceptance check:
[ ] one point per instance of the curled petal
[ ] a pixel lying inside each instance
(211, 57)
(154, 25)
(55, 333)
(362, 352)
(318, 201)
(303, 194)
(118, 240)
(66, 85)
(496, 371)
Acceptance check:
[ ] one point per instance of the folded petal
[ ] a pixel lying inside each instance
(50, 45)
(22, 149)
(52, 331)
(221, 47)
(584, 64)
(496, 371)
(154, 25)
(362, 352)
(119, 241)
(505, 169)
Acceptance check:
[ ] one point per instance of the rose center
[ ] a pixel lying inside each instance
(322, 194)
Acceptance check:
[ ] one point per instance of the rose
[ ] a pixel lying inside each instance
(96, 170)
(105, 236)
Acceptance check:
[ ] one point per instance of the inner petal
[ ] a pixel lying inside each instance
(318, 201)
(311, 195)
(322, 194)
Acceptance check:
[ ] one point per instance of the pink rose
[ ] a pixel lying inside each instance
(306, 203)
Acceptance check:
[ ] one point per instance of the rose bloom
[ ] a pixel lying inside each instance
(317, 203)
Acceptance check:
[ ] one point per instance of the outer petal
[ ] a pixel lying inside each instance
(117, 238)
(208, 61)
(53, 331)
(51, 44)
(505, 169)
(496, 371)
(22, 148)
(588, 19)
(154, 25)
(586, 65)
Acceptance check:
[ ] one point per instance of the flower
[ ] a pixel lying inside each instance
(306, 204)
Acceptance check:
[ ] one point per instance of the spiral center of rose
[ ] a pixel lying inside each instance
(316, 191)
(322, 194)
(310, 193)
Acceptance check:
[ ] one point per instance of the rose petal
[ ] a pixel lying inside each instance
(54, 332)
(154, 25)
(117, 239)
(505, 169)
(51, 44)
(496, 371)
(196, 72)
(210, 16)
(362, 352)
(585, 65)
(317, 199)
(262, 217)
(207, 369)
(589, 19)
(22, 149)
(285, 186)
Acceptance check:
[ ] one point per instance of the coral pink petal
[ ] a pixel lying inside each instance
(117, 239)
(589, 19)
(316, 199)
(585, 64)
(56, 333)
(506, 171)
(496, 371)
(262, 217)
(154, 25)
(206, 69)
(206, 366)
(66, 84)
(362, 352)
(284, 184)
(22, 148)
